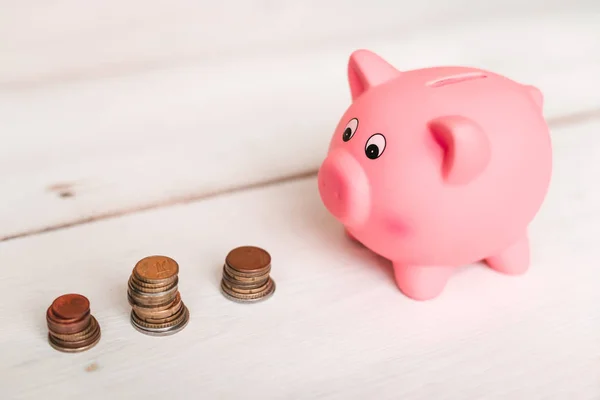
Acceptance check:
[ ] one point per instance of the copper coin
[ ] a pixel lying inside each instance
(60, 327)
(144, 290)
(235, 289)
(163, 320)
(147, 309)
(151, 313)
(73, 337)
(248, 258)
(75, 346)
(155, 269)
(246, 298)
(234, 280)
(78, 336)
(76, 350)
(182, 315)
(157, 301)
(70, 306)
(167, 331)
(79, 343)
(244, 276)
(144, 285)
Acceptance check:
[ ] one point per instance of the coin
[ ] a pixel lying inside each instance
(237, 289)
(166, 320)
(147, 288)
(153, 293)
(73, 337)
(71, 326)
(154, 269)
(75, 348)
(153, 314)
(251, 298)
(246, 275)
(80, 341)
(157, 301)
(248, 258)
(168, 330)
(70, 306)
(235, 280)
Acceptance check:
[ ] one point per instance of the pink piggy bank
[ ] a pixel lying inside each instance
(437, 167)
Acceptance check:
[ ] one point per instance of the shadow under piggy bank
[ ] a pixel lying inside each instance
(323, 232)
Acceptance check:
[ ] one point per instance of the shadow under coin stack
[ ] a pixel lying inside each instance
(157, 309)
(246, 275)
(72, 328)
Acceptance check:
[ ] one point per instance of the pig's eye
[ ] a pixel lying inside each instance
(375, 146)
(350, 129)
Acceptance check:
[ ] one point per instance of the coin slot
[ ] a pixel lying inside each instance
(451, 80)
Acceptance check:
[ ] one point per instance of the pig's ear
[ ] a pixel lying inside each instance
(366, 69)
(536, 95)
(466, 148)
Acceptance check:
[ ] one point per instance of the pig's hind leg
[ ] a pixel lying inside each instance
(421, 282)
(513, 260)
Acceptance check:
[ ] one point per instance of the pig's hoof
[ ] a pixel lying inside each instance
(421, 282)
(513, 260)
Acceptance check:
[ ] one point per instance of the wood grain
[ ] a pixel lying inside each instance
(130, 142)
(69, 39)
(336, 328)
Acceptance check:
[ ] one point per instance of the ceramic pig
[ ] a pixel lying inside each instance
(437, 167)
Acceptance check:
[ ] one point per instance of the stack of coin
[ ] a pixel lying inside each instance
(246, 275)
(72, 328)
(157, 309)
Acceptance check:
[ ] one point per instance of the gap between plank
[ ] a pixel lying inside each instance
(556, 122)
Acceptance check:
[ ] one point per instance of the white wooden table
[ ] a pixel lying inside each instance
(102, 165)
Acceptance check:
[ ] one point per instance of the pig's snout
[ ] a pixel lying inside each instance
(344, 188)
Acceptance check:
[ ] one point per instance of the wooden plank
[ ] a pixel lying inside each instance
(69, 39)
(336, 328)
(129, 142)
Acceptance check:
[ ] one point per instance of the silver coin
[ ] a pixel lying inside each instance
(171, 330)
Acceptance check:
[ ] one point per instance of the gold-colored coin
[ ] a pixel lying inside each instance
(153, 315)
(170, 330)
(246, 298)
(150, 326)
(156, 269)
(150, 290)
(75, 347)
(75, 337)
(165, 320)
(161, 284)
(147, 309)
(245, 284)
(143, 286)
(152, 297)
(235, 289)
(246, 277)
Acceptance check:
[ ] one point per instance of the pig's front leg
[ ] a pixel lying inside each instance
(513, 260)
(350, 236)
(421, 282)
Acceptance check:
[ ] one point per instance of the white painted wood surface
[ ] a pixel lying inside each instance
(157, 106)
(70, 39)
(133, 141)
(336, 328)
